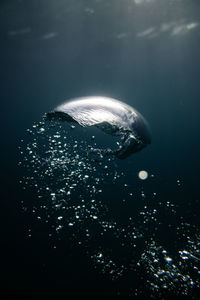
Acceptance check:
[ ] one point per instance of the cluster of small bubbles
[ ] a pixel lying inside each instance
(148, 214)
(72, 179)
(108, 266)
(72, 170)
(165, 272)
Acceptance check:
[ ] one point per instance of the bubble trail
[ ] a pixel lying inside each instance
(96, 202)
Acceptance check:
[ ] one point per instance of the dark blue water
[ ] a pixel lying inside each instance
(145, 53)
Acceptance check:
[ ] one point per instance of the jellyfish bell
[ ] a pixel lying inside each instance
(111, 116)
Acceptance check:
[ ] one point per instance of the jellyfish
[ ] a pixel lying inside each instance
(111, 116)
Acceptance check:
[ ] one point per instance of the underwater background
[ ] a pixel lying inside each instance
(115, 234)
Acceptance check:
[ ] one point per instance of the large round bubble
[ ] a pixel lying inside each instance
(113, 117)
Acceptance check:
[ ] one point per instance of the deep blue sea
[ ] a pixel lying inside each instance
(74, 224)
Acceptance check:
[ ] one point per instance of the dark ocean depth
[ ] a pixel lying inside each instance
(74, 224)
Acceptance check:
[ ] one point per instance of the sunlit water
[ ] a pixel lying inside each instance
(106, 209)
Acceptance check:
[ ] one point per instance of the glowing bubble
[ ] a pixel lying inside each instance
(143, 175)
